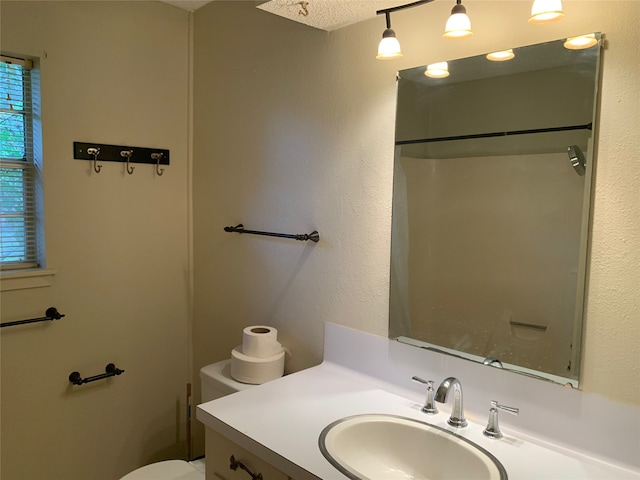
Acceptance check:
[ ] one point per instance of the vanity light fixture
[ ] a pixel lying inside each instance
(437, 70)
(546, 11)
(458, 25)
(501, 56)
(581, 42)
(389, 47)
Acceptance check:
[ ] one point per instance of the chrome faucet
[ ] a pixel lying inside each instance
(457, 413)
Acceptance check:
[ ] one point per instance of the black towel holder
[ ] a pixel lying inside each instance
(313, 236)
(110, 371)
(51, 314)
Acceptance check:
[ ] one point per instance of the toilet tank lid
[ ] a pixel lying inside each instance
(221, 372)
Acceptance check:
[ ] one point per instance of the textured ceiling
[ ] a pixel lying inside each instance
(328, 14)
(323, 14)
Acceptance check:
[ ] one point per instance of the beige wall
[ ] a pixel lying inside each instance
(114, 73)
(294, 132)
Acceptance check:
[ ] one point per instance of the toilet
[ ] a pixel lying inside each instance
(215, 382)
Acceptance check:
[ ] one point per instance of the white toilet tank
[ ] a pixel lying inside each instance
(216, 381)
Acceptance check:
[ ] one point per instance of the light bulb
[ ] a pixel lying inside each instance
(545, 11)
(389, 46)
(583, 41)
(501, 56)
(437, 70)
(459, 24)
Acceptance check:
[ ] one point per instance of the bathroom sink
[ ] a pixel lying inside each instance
(389, 447)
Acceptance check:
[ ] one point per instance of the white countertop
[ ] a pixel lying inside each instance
(281, 421)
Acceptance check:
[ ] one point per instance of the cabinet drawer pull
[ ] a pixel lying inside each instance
(235, 464)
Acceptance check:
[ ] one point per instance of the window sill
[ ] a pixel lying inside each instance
(28, 278)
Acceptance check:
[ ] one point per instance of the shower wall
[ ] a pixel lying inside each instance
(491, 254)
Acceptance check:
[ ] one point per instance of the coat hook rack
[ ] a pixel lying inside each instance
(51, 314)
(313, 236)
(120, 153)
(110, 371)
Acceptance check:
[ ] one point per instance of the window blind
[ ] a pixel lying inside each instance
(18, 239)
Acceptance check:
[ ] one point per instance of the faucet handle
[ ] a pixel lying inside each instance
(504, 408)
(493, 428)
(430, 404)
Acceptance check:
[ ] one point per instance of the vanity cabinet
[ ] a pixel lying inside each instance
(218, 451)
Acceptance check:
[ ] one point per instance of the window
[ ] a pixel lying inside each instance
(19, 169)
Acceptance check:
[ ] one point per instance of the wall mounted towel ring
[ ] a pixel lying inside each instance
(157, 157)
(127, 154)
(95, 152)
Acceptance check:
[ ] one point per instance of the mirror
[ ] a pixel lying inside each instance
(491, 200)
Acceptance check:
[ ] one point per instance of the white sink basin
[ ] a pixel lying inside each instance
(388, 447)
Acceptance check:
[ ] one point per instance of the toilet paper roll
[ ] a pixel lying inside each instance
(260, 341)
(255, 370)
